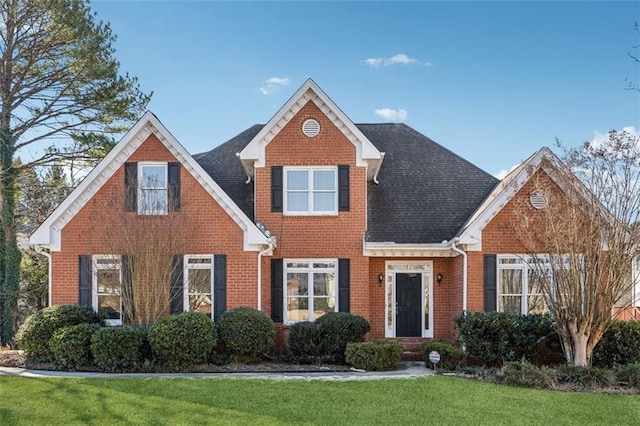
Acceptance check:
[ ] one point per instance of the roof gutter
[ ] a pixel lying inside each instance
(464, 272)
(270, 245)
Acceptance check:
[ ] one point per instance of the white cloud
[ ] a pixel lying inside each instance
(504, 172)
(396, 115)
(273, 84)
(400, 58)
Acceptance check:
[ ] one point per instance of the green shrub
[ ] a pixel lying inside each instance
(118, 349)
(492, 338)
(71, 346)
(246, 333)
(34, 334)
(338, 329)
(380, 355)
(584, 377)
(523, 373)
(183, 340)
(450, 353)
(305, 342)
(620, 344)
(628, 375)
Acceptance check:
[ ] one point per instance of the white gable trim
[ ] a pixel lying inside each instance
(253, 155)
(471, 233)
(390, 249)
(49, 233)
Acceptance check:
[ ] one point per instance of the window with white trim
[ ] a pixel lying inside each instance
(152, 188)
(311, 191)
(107, 288)
(520, 284)
(310, 287)
(198, 284)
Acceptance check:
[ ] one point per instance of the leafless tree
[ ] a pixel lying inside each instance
(582, 244)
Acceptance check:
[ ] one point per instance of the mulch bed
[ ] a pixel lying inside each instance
(11, 358)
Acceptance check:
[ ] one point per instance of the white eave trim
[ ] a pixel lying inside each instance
(471, 233)
(391, 249)
(49, 233)
(253, 155)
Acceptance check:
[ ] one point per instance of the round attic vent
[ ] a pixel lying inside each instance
(538, 199)
(311, 128)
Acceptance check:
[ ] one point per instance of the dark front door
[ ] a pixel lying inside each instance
(408, 306)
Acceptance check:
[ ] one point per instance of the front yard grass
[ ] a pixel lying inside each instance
(428, 400)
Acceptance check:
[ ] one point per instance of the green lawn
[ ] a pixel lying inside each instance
(428, 400)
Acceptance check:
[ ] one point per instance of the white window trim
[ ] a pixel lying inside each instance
(636, 281)
(310, 191)
(310, 269)
(185, 277)
(140, 189)
(94, 282)
(524, 266)
(426, 269)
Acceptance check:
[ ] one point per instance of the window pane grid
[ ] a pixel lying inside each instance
(198, 284)
(521, 280)
(310, 289)
(311, 191)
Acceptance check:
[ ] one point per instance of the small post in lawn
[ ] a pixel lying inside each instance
(434, 357)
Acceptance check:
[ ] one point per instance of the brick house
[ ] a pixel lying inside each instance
(307, 214)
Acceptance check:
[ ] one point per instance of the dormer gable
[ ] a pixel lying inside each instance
(544, 159)
(49, 233)
(254, 154)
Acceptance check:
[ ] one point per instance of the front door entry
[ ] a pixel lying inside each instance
(408, 305)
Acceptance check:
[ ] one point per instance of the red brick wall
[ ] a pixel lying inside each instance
(212, 232)
(498, 237)
(447, 296)
(316, 236)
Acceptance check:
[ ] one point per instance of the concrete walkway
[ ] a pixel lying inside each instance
(406, 369)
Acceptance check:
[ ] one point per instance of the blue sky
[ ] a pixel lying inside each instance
(491, 81)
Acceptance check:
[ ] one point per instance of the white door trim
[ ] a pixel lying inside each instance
(392, 267)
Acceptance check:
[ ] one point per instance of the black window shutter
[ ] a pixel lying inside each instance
(219, 285)
(490, 285)
(344, 277)
(277, 294)
(177, 284)
(276, 188)
(343, 188)
(127, 289)
(131, 186)
(174, 186)
(84, 280)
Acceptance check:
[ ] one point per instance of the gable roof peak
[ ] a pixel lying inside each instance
(253, 154)
(49, 232)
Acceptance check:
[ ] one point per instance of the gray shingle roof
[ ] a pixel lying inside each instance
(425, 194)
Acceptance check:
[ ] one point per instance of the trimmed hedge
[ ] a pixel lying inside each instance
(34, 334)
(246, 333)
(492, 338)
(450, 353)
(118, 349)
(183, 340)
(379, 355)
(305, 342)
(338, 329)
(71, 346)
(620, 344)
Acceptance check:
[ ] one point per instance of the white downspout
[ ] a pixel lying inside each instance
(260, 254)
(464, 273)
